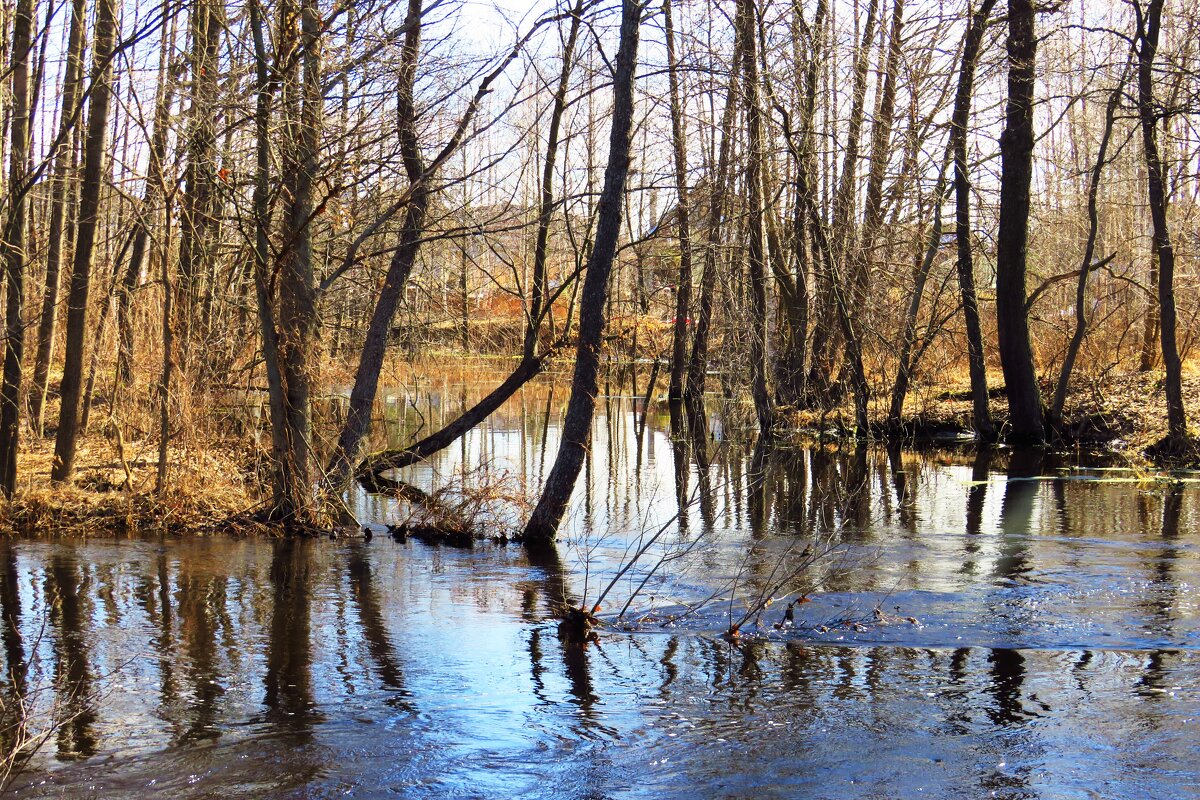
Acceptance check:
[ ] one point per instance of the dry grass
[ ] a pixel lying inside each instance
(206, 490)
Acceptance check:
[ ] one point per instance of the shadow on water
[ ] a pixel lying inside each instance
(1035, 633)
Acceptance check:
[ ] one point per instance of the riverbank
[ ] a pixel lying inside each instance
(209, 489)
(1124, 415)
(216, 485)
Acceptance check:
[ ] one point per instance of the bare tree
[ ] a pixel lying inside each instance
(1016, 153)
(577, 424)
(1149, 23)
(95, 159)
(13, 246)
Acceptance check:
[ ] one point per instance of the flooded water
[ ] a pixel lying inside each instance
(990, 624)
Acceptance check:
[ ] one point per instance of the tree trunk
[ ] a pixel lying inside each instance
(366, 379)
(13, 247)
(58, 233)
(94, 163)
(532, 361)
(1016, 159)
(745, 21)
(828, 323)
(683, 212)
(198, 221)
(881, 135)
(1089, 251)
(793, 353)
(1148, 26)
(976, 356)
(149, 206)
(539, 305)
(907, 363)
(297, 289)
(577, 423)
(264, 90)
(718, 188)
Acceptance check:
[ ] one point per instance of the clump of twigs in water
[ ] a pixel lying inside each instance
(481, 504)
(578, 625)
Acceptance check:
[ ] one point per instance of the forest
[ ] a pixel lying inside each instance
(834, 213)
(582, 398)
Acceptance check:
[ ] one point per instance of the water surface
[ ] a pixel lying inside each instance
(981, 624)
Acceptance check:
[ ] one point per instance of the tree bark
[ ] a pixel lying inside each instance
(683, 213)
(297, 290)
(717, 193)
(976, 356)
(745, 21)
(94, 163)
(1149, 23)
(1016, 159)
(1089, 251)
(13, 246)
(265, 88)
(577, 423)
(197, 218)
(59, 232)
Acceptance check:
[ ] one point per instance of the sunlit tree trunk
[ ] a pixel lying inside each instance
(92, 181)
(148, 211)
(297, 290)
(756, 245)
(58, 233)
(1089, 251)
(1149, 24)
(976, 358)
(1016, 160)
(198, 222)
(683, 214)
(713, 246)
(13, 245)
(577, 423)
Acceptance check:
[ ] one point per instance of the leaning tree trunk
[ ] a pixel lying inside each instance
(533, 360)
(13, 247)
(577, 423)
(60, 181)
(415, 201)
(1149, 24)
(1016, 160)
(1086, 268)
(366, 378)
(94, 161)
(976, 357)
